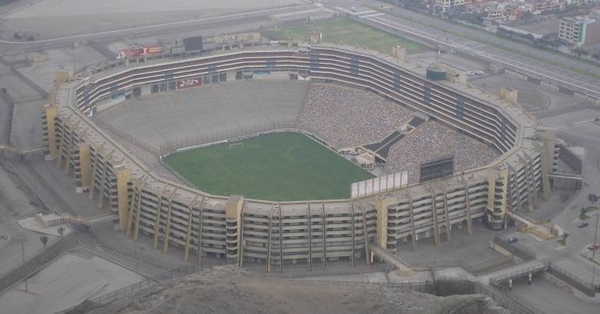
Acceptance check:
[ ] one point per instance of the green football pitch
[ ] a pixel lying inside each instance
(277, 167)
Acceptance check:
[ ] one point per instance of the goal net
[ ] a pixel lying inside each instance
(236, 145)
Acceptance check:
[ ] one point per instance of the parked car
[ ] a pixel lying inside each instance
(582, 224)
(512, 240)
(593, 246)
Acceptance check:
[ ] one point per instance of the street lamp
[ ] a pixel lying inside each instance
(22, 240)
(594, 252)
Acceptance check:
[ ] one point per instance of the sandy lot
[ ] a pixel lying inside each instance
(59, 18)
(61, 8)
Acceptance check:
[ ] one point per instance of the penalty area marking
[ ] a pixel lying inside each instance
(236, 145)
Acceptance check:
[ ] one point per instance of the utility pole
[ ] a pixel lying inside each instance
(23, 254)
(594, 252)
(74, 64)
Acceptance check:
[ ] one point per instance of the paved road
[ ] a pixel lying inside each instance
(550, 73)
(439, 24)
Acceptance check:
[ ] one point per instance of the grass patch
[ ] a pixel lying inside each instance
(348, 32)
(278, 167)
(591, 209)
(562, 242)
(583, 216)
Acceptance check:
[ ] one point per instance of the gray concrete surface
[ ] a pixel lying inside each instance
(15, 204)
(57, 191)
(454, 60)
(18, 90)
(4, 119)
(42, 73)
(549, 299)
(67, 281)
(26, 126)
(461, 244)
(493, 84)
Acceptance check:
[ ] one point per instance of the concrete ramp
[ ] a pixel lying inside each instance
(89, 221)
(566, 176)
(20, 151)
(390, 258)
(521, 218)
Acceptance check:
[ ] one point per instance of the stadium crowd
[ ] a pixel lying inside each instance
(432, 141)
(349, 117)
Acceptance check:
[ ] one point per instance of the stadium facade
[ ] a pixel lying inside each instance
(315, 231)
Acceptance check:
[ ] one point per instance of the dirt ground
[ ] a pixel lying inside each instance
(233, 290)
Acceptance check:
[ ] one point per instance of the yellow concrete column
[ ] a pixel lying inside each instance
(51, 112)
(123, 178)
(548, 137)
(381, 205)
(85, 163)
(233, 211)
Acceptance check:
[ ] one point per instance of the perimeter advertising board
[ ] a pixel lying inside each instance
(378, 185)
(193, 82)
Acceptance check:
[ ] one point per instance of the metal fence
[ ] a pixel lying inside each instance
(574, 281)
(330, 271)
(216, 136)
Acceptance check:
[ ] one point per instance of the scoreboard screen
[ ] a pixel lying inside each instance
(437, 169)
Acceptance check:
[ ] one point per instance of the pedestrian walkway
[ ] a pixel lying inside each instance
(391, 259)
(514, 272)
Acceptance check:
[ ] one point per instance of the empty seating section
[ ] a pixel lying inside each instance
(209, 113)
(431, 141)
(415, 121)
(376, 146)
(349, 117)
(385, 149)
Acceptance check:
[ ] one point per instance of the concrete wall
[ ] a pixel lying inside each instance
(514, 74)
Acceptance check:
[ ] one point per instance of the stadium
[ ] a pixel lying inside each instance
(110, 130)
